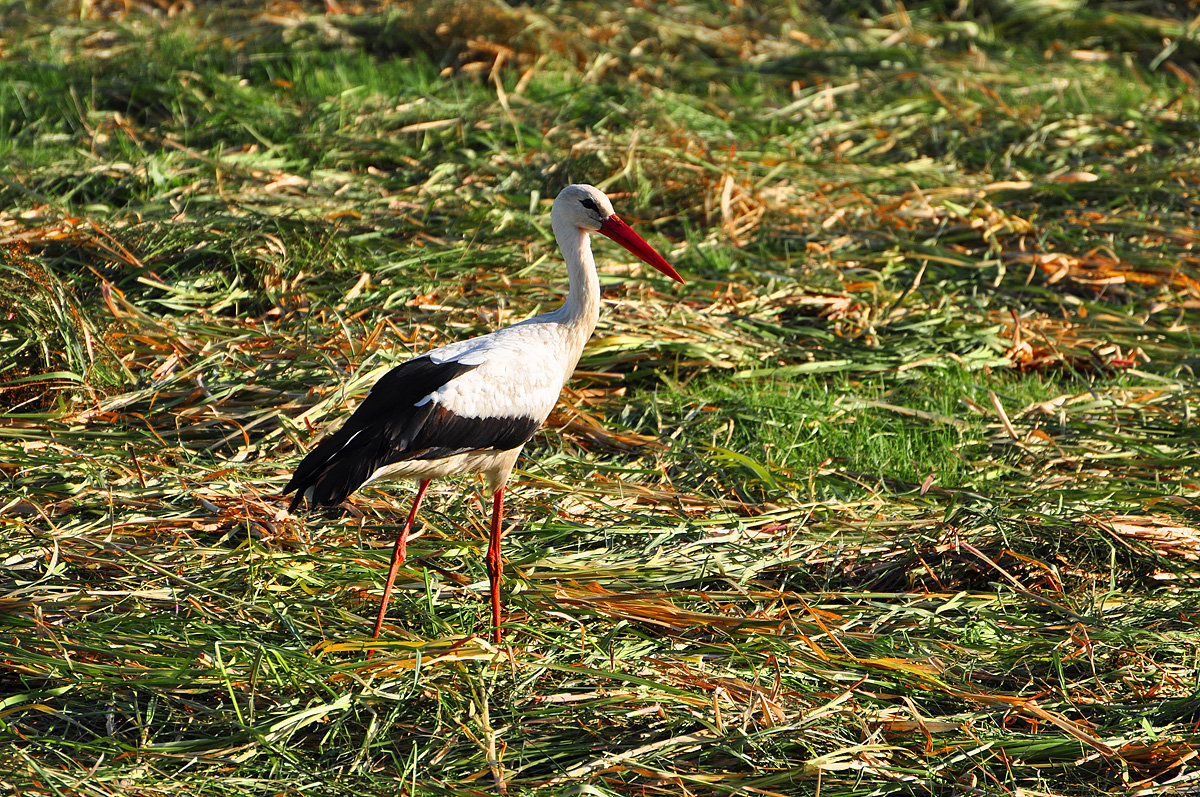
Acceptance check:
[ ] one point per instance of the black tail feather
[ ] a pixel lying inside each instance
(333, 470)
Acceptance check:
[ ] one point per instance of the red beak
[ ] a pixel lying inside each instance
(623, 234)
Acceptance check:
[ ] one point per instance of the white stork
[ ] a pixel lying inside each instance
(469, 407)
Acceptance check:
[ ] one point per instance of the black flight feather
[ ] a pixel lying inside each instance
(388, 427)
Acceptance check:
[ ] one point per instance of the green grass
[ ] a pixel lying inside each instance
(896, 495)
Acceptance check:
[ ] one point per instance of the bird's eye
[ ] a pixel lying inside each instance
(590, 204)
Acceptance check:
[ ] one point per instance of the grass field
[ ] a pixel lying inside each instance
(896, 495)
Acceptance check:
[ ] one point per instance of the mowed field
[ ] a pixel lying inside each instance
(896, 495)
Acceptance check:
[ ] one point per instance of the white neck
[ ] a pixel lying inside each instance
(581, 310)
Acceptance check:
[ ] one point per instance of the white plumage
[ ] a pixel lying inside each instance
(519, 371)
(470, 406)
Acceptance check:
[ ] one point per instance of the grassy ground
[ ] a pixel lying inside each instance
(897, 495)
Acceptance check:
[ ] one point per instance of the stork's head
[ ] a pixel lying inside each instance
(586, 208)
(582, 206)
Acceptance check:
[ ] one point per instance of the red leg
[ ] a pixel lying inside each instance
(398, 554)
(494, 563)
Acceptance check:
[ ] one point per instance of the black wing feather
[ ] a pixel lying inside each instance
(444, 434)
(345, 459)
(388, 427)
